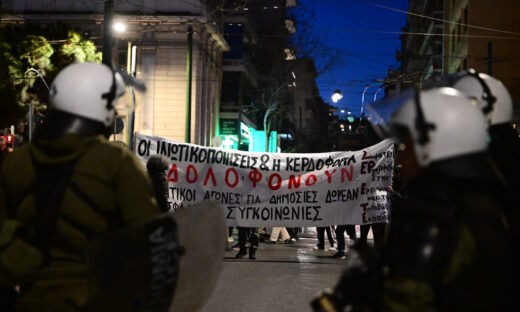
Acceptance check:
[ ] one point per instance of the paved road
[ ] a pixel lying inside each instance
(283, 278)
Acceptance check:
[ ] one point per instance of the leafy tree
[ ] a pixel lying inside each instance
(270, 101)
(28, 53)
(76, 50)
(19, 54)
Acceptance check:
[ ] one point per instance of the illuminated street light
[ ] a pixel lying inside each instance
(336, 96)
(31, 112)
(38, 75)
(343, 111)
(119, 27)
(363, 98)
(377, 92)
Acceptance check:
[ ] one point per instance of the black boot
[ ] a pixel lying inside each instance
(252, 251)
(242, 253)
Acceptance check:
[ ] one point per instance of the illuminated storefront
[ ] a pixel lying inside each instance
(241, 136)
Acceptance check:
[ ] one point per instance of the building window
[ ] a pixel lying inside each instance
(234, 35)
(289, 24)
(231, 88)
(289, 54)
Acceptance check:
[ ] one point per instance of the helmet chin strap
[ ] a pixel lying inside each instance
(486, 95)
(421, 125)
(57, 123)
(111, 94)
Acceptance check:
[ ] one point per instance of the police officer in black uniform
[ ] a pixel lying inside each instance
(492, 97)
(450, 245)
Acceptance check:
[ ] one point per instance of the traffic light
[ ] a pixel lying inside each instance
(9, 140)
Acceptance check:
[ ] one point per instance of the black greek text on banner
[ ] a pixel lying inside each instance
(277, 189)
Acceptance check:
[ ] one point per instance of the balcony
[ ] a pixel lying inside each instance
(289, 54)
(291, 27)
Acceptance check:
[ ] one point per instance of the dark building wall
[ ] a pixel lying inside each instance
(505, 61)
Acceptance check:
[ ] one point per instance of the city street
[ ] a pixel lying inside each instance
(134, 133)
(283, 278)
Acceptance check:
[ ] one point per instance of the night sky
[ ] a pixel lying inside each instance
(353, 28)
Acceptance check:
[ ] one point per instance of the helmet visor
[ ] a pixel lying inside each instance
(380, 113)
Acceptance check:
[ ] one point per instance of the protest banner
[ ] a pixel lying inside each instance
(278, 189)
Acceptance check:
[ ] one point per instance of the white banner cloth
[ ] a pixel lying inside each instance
(278, 189)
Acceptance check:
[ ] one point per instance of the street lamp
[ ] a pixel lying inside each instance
(375, 95)
(363, 99)
(119, 27)
(336, 96)
(39, 75)
(31, 109)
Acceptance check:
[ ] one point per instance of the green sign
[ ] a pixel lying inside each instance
(228, 126)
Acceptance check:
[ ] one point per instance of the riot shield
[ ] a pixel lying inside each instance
(202, 231)
(170, 263)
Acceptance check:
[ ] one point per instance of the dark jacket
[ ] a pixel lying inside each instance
(505, 151)
(449, 248)
(108, 189)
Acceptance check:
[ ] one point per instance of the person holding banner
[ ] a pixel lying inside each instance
(450, 244)
(244, 235)
(321, 238)
(351, 232)
(280, 231)
(340, 237)
(378, 232)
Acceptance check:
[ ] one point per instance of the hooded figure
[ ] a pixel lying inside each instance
(157, 166)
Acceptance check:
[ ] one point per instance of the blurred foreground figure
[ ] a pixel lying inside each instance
(492, 97)
(3, 148)
(449, 245)
(66, 187)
